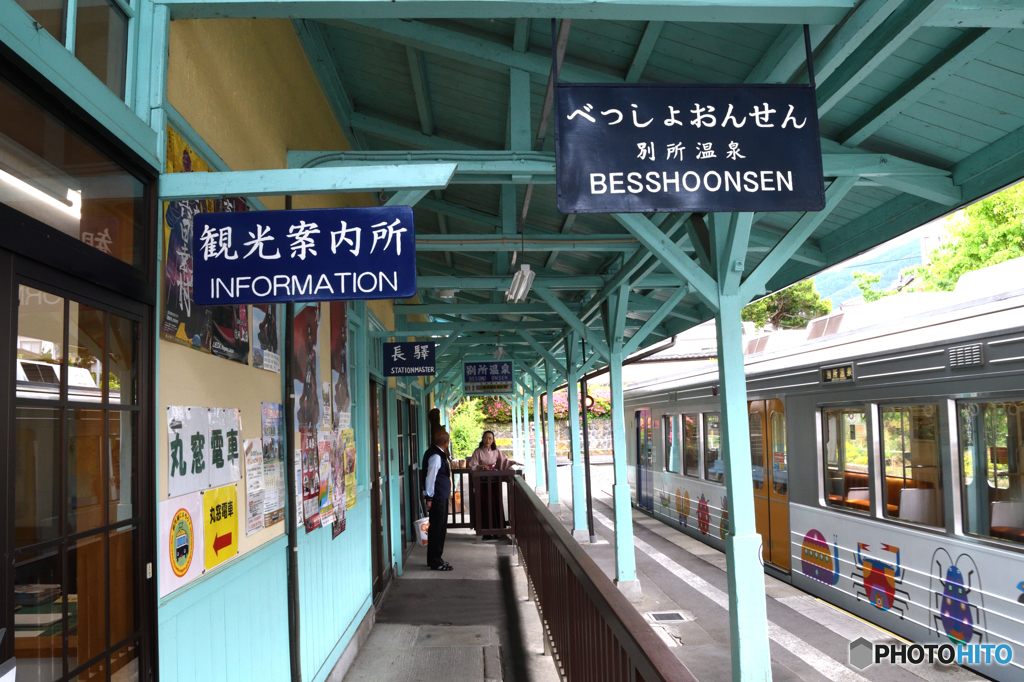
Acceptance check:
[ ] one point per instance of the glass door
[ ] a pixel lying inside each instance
(76, 585)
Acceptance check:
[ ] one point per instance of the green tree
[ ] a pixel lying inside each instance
(467, 426)
(790, 308)
(866, 282)
(986, 233)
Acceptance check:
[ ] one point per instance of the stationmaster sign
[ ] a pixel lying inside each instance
(305, 255)
(665, 148)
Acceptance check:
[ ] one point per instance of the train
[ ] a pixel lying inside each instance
(886, 453)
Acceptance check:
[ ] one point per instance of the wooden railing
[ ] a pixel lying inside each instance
(595, 632)
(459, 515)
(488, 496)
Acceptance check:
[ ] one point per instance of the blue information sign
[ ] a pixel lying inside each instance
(666, 148)
(487, 378)
(304, 255)
(409, 359)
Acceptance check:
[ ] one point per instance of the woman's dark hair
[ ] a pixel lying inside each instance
(494, 445)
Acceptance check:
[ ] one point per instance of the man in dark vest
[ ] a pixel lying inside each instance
(437, 487)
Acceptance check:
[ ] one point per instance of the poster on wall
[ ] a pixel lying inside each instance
(183, 321)
(299, 516)
(338, 493)
(274, 477)
(220, 518)
(310, 479)
(230, 332)
(266, 353)
(225, 445)
(306, 367)
(180, 544)
(325, 411)
(348, 440)
(188, 442)
(339, 365)
(255, 485)
(324, 440)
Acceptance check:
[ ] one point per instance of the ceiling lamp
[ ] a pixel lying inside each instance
(521, 283)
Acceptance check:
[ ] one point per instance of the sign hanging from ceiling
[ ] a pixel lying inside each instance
(487, 378)
(667, 148)
(409, 359)
(304, 255)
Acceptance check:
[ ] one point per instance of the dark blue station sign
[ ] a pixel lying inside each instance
(304, 255)
(408, 359)
(667, 148)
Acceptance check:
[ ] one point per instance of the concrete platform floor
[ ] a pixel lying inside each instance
(809, 638)
(471, 624)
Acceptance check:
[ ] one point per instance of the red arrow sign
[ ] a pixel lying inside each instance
(220, 542)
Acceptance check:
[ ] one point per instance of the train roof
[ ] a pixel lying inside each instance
(985, 301)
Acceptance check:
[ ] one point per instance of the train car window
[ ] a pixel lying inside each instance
(673, 441)
(845, 452)
(780, 472)
(714, 465)
(911, 460)
(691, 465)
(991, 441)
(757, 449)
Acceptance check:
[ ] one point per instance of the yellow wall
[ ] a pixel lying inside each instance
(247, 88)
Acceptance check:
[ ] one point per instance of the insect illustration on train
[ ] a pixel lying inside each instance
(879, 580)
(723, 524)
(1020, 597)
(703, 516)
(817, 561)
(663, 496)
(953, 607)
(683, 507)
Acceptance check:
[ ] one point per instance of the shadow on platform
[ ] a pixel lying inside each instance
(472, 623)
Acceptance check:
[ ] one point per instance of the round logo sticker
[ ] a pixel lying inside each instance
(182, 543)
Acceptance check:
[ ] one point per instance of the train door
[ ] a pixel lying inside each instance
(644, 460)
(771, 479)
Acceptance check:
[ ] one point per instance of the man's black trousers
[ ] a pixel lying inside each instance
(436, 532)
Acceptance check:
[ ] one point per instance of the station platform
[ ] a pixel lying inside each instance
(809, 638)
(470, 624)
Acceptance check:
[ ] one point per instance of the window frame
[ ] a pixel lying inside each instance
(822, 425)
(705, 432)
(668, 423)
(943, 453)
(961, 498)
(698, 426)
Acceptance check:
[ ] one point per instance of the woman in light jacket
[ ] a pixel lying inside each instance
(488, 456)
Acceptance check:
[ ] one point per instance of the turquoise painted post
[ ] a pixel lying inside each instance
(538, 435)
(579, 497)
(540, 484)
(525, 429)
(625, 558)
(515, 426)
(552, 451)
(747, 613)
